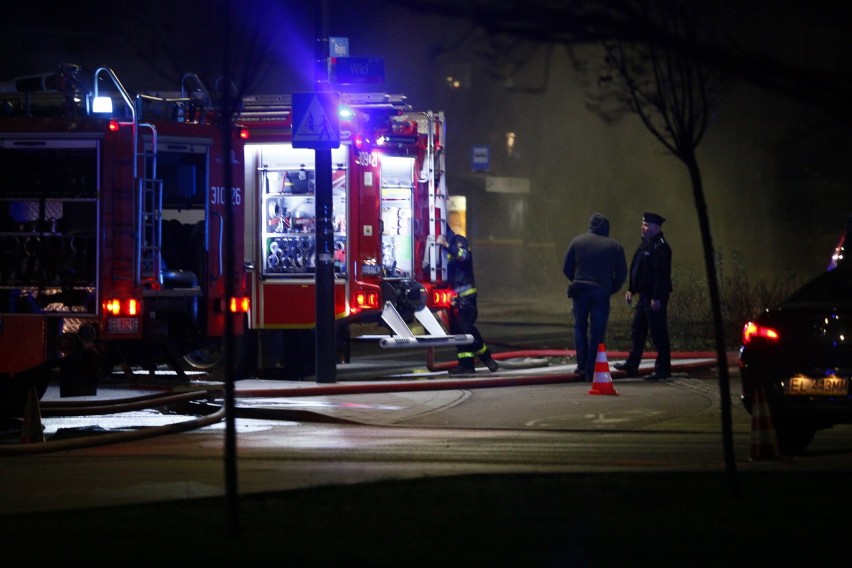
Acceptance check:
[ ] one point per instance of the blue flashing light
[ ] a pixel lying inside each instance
(102, 105)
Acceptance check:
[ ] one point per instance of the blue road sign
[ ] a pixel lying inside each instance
(338, 46)
(316, 120)
(480, 159)
(357, 70)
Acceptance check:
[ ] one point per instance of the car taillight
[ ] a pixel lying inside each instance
(752, 330)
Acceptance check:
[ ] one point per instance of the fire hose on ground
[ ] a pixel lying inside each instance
(76, 408)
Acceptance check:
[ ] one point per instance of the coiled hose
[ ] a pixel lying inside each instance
(79, 408)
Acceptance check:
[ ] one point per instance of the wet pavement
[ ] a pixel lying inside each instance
(379, 388)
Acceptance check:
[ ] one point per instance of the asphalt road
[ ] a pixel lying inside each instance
(390, 417)
(301, 441)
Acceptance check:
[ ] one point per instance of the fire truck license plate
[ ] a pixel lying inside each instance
(122, 325)
(827, 386)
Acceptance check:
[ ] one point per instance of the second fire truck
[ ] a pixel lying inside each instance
(389, 204)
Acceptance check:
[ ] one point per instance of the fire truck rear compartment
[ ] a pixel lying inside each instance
(183, 253)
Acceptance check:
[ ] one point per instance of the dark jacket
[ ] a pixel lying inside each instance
(594, 259)
(460, 266)
(651, 269)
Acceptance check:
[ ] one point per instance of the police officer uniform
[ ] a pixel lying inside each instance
(650, 279)
(464, 310)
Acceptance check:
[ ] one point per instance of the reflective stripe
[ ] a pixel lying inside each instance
(472, 354)
(466, 291)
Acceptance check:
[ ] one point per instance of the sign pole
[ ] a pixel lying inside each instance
(326, 348)
(326, 344)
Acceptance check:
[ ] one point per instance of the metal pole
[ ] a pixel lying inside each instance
(326, 348)
(231, 484)
(230, 450)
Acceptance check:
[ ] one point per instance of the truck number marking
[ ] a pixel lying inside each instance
(217, 195)
(367, 159)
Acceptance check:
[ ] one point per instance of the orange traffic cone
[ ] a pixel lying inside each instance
(764, 442)
(31, 429)
(602, 382)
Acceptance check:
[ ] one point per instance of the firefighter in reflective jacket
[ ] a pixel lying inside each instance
(464, 310)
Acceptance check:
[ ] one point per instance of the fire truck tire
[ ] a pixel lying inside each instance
(286, 354)
(211, 358)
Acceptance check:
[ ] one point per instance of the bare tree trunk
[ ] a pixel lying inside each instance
(718, 323)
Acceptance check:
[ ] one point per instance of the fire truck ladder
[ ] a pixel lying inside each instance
(149, 205)
(434, 172)
(149, 214)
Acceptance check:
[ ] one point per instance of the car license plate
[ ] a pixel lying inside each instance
(824, 386)
(122, 325)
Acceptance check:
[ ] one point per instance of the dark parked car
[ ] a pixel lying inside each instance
(800, 353)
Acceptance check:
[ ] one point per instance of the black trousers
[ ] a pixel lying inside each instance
(656, 322)
(463, 321)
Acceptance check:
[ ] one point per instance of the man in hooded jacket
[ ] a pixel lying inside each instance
(597, 268)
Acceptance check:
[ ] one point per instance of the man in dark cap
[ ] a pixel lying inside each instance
(597, 268)
(651, 280)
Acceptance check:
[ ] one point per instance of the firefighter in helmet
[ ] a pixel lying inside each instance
(464, 311)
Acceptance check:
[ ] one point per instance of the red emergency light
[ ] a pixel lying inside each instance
(235, 305)
(442, 297)
(240, 305)
(119, 307)
(366, 300)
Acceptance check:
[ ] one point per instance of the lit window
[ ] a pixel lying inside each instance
(510, 144)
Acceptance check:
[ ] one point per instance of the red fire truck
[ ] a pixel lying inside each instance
(113, 229)
(389, 204)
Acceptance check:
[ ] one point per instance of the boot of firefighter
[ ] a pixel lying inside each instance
(489, 361)
(465, 367)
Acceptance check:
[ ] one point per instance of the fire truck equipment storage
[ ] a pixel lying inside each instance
(113, 220)
(389, 204)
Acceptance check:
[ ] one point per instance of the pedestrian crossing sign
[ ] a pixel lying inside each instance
(315, 120)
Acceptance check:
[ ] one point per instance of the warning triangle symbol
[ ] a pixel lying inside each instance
(316, 125)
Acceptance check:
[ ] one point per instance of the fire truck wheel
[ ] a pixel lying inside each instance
(211, 358)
